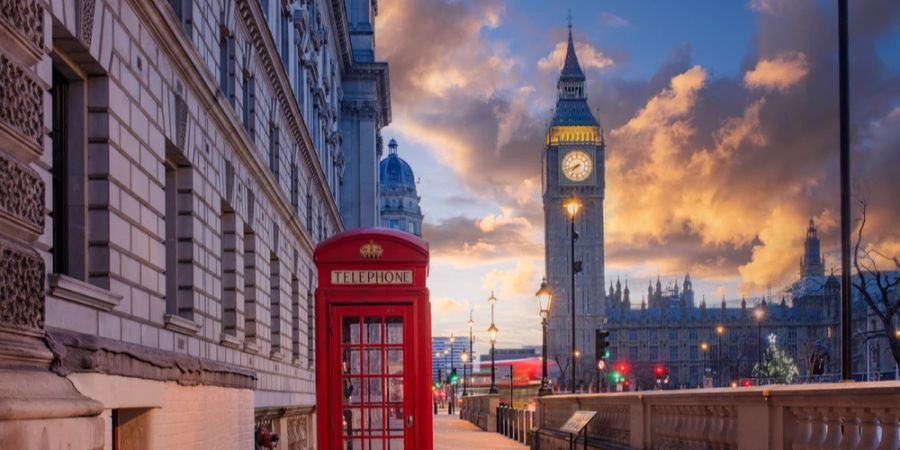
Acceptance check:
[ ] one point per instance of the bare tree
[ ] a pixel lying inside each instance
(878, 290)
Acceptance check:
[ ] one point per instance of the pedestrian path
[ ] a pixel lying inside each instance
(453, 433)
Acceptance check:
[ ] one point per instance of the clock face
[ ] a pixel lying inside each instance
(577, 165)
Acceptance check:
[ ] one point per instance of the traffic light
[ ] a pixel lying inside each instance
(659, 371)
(454, 377)
(602, 344)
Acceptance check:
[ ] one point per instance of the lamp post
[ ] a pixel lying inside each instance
(572, 205)
(759, 314)
(471, 340)
(450, 408)
(465, 359)
(704, 347)
(720, 330)
(492, 330)
(544, 298)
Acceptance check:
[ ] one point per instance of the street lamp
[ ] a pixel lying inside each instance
(471, 354)
(704, 347)
(545, 297)
(572, 206)
(465, 358)
(492, 330)
(759, 314)
(720, 330)
(452, 384)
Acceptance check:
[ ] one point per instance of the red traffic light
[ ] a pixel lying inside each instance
(622, 367)
(659, 370)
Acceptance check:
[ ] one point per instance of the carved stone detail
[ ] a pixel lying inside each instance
(21, 200)
(22, 28)
(21, 111)
(298, 433)
(21, 288)
(86, 21)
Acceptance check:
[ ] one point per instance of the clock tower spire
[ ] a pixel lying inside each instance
(573, 165)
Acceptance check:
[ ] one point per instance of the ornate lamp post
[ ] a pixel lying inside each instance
(544, 298)
(759, 313)
(704, 347)
(492, 330)
(720, 330)
(471, 340)
(465, 359)
(572, 206)
(452, 384)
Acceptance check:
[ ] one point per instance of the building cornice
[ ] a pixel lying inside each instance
(342, 30)
(380, 72)
(254, 20)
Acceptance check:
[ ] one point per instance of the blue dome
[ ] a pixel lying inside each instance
(395, 173)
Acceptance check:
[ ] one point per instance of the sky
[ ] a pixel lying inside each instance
(721, 127)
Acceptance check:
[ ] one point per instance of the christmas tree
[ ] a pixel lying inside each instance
(776, 366)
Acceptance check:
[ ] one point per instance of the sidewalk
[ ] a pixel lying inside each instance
(453, 433)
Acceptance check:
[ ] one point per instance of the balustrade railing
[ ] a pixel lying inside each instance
(846, 416)
(515, 424)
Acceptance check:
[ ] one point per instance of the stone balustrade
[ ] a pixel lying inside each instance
(515, 423)
(481, 410)
(797, 417)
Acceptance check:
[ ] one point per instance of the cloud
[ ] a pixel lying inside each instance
(447, 306)
(588, 57)
(518, 282)
(777, 74)
(613, 21)
(464, 242)
(712, 174)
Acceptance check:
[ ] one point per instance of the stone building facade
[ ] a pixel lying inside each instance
(669, 330)
(167, 169)
(398, 201)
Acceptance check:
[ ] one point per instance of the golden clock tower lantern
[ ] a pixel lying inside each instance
(573, 166)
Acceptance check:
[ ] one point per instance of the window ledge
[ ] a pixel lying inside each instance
(181, 325)
(78, 291)
(230, 341)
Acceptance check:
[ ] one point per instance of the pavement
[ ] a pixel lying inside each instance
(453, 433)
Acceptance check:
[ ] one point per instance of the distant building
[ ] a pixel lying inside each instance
(507, 354)
(399, 201)
(440, 346)
(668, 329)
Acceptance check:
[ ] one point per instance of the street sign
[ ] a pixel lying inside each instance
(578, 421)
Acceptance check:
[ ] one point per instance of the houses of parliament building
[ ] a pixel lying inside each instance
(669, 329)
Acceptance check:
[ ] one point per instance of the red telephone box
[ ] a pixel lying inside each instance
(373, 342)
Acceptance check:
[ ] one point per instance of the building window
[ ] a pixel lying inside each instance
(673, 353)
(309, 209)
(295, 316)
(274, 150)
(277, 334)
(249, 110)
(694, 353)
(179, 193)
(310, 322)
(227, 64)
(285, 38)
(673, 335)
(632, 335)
(251, 294)
(633, 353)
(394, 224)
(232, 274)
(654, 353)
(184, 11)
(295, 187)
(59, 94)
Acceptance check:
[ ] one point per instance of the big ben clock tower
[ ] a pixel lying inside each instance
(573, 166)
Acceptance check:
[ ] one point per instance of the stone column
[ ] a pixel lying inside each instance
(38, 409)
